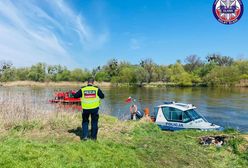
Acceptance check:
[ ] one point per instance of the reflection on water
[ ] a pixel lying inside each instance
(224, 106)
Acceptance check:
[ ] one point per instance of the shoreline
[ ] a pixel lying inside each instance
(52, 84)
(241, 84)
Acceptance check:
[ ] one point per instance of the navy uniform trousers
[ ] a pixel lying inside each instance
(94, 122)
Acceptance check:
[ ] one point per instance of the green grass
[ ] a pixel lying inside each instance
(56, 143)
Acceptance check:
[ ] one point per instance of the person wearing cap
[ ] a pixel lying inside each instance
(90, 100)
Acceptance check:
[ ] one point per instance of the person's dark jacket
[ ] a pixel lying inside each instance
(79, 93)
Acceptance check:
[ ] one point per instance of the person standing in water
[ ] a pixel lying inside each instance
(133, 110)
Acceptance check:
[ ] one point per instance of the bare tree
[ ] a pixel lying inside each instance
(112, 67)
(149, 66)
(220, 60)
(5, 65)
(192, 62)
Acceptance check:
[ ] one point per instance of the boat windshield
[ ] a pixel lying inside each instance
(193, 114)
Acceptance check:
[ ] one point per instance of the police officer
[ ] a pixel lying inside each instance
(90, 100)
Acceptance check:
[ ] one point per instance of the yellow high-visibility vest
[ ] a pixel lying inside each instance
(90, 98)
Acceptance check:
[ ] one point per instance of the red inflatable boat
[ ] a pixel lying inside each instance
(67, 99)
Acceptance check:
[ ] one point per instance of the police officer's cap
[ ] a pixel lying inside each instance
(90, 80)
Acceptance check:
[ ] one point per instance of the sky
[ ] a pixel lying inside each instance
(88, 33)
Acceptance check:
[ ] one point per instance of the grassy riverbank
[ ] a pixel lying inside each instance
(55, 142)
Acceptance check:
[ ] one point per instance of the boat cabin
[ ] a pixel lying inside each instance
(178, 116)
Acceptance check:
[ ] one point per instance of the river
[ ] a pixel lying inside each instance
(227, 107)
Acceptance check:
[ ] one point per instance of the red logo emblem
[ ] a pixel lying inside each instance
(228, 11)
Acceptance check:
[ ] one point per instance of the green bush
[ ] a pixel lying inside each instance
(37, 72)
(102, 76)
(8, 75)
(79, 75)
(219, 70)
(222, 76)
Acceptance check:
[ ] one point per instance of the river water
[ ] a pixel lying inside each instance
(227, 107)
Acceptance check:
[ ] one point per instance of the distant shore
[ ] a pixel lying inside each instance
(242, 83)
(52, 84)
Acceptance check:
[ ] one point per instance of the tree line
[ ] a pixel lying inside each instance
(214, 70)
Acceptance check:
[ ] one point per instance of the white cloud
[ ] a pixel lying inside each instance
(31, 34)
